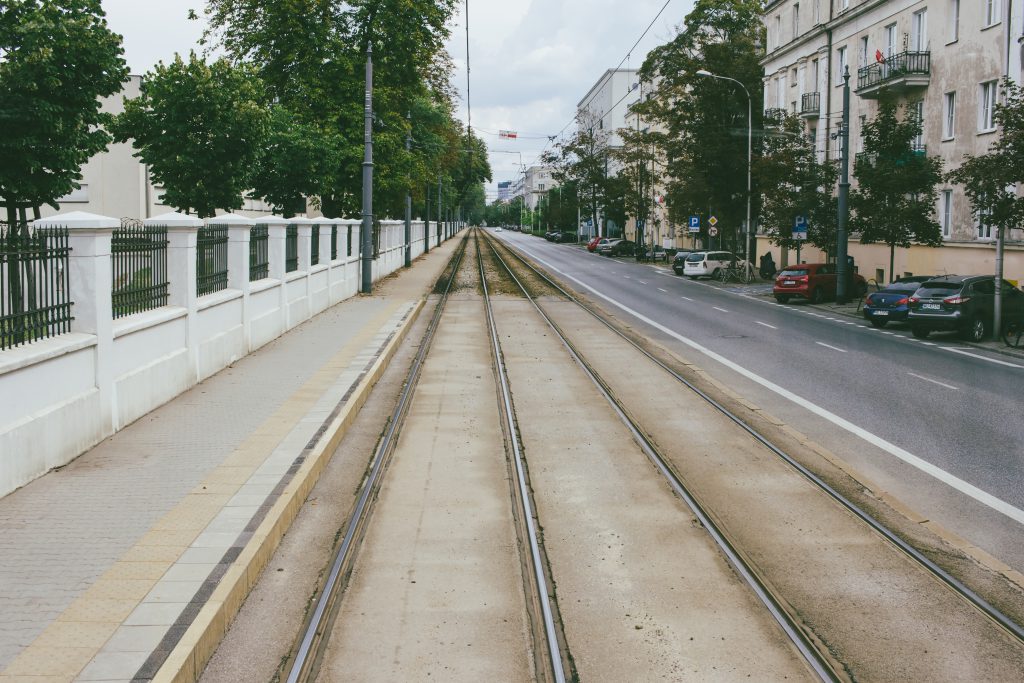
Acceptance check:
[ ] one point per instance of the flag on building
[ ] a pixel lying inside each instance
(507, 134)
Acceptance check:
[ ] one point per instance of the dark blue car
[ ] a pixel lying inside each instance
(891, 303)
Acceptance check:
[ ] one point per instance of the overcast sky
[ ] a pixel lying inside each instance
(531, 60)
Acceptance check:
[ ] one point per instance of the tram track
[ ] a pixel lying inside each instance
(816, 653)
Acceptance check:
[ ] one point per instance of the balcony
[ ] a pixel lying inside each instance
(897, 74)
(810, 105)
(916, 150)
(774, 117)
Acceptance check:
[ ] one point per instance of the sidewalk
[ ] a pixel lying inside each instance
(134, 558)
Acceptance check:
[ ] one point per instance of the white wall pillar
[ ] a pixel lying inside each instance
(90, 282)
(305, 229)
(181, 275)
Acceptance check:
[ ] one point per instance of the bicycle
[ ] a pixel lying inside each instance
(1013, 333)
(731, 273)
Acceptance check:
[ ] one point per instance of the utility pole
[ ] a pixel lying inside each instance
(426, 221)
(440, 210)
(367, 236)
(842, 268)
(408, 198)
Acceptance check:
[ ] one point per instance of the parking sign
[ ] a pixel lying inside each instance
(800, 228)
(694, 223)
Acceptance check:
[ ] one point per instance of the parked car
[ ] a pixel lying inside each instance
(964, 303)
(564, 237)
(707, 263)
(619, 247)
(550, 235)
(656, 253)
(813, 281)
(593, 243)
(892, 302)
(679, 261)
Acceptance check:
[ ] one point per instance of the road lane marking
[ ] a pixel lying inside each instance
(934, 381)
(641, 282)
(974, 355)
(829, 346)
(951, 480)
(686, 297)
(719, 309)
(662, 290)
(766, 324)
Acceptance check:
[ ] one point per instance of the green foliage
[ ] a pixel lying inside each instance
(200, 128)
(894, 201)
(990, 181)
(57, 57)
(705, 119)
(794, 183)
(641, 162)
(582, 161)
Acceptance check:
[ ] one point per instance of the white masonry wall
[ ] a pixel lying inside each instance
(61, 396)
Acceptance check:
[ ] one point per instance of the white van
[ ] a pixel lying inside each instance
(707, 263)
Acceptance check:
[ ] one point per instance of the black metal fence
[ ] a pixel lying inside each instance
(139, 267)
(211, 259)
(334, 242)
(348, 244)
(291, 249)
(810, 103)
(894, 66)
(34, 284)
(314, 247)
(259, 253)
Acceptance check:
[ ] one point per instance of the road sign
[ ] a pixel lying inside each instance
(712, 221)
(800, 228)
(713, 231)
(694, 223)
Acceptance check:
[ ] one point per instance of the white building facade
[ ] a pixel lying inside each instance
(942, 59)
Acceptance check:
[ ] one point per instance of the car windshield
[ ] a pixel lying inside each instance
(793, 272)
(695, 257)
(902, 287)
(931, 290)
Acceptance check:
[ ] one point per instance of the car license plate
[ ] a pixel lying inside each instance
(787, 282)
(931, 307)
(881, 312)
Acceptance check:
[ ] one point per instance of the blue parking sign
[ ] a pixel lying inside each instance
(694, 223)
(800, 228)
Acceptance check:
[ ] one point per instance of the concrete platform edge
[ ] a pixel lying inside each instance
(187, 660)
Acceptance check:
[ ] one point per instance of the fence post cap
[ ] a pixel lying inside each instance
(173, 219)
(349, 221)
(77, 220)
(332, 221)
(271, 220)
(302, 220)
(230, 219)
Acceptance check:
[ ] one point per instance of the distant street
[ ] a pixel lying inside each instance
(937, 423)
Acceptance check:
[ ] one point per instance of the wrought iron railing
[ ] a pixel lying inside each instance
(211, 259)
(334, 242)
(774, 116)
(916, 150)
(894, 66)
(291, 248)
(34, 284)
(259, 253)
(138, 255)
(810, 103)
(314, 246)
(348, 243)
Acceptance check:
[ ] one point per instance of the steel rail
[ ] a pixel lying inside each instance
(310, 651)
(537, 563)
(819, 664)
(952, 582)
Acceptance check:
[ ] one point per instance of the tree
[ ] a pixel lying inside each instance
(895, 196)
(705, 119)
(990, 181)
(640, 160)
(794, 183)
(57, 58)
(200, 128)
(583, 161)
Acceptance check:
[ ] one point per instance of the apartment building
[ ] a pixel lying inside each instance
(942, 59)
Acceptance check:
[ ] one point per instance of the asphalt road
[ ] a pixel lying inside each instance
(937, 423)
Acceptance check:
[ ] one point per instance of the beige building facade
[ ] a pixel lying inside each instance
(941, 59)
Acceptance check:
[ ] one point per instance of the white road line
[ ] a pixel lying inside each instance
(662, 290)
(964, 487)
(641, 282)
(979, 357)
(934, 381)
(627, 277)
(686, 297)
(828, 346)
(719, 309)
(766, 324)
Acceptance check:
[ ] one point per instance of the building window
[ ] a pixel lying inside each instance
(986, 107)
(946, 212)
(949, 116)
(984, 226)
(954, 20)
(79, 196)
(841, 64)
(817, 12)
(919, 30)
(815, 74)
(812, 136)
(796, 78)
(991, 12)
(778, 30)
(918, 142)
(864, 51)
(844, 4)
(796, 20)
(890, 40)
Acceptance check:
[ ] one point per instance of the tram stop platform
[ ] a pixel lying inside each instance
(129, 563)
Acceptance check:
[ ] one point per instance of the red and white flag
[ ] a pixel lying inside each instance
(879, 57)
(507, 134)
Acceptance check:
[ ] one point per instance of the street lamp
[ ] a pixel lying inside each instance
(750, 134)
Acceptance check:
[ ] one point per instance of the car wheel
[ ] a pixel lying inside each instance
(875, 322)
(920, 332)
(817, 296)
(715, 273)
(976, 330)
(782, 298)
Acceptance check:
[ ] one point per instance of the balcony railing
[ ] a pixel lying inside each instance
(916, 150)
(774, 116)
(904, 70)
(810, 104)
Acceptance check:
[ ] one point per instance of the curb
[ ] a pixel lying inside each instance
(188, 659)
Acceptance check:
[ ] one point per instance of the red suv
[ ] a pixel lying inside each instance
(814, 281)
